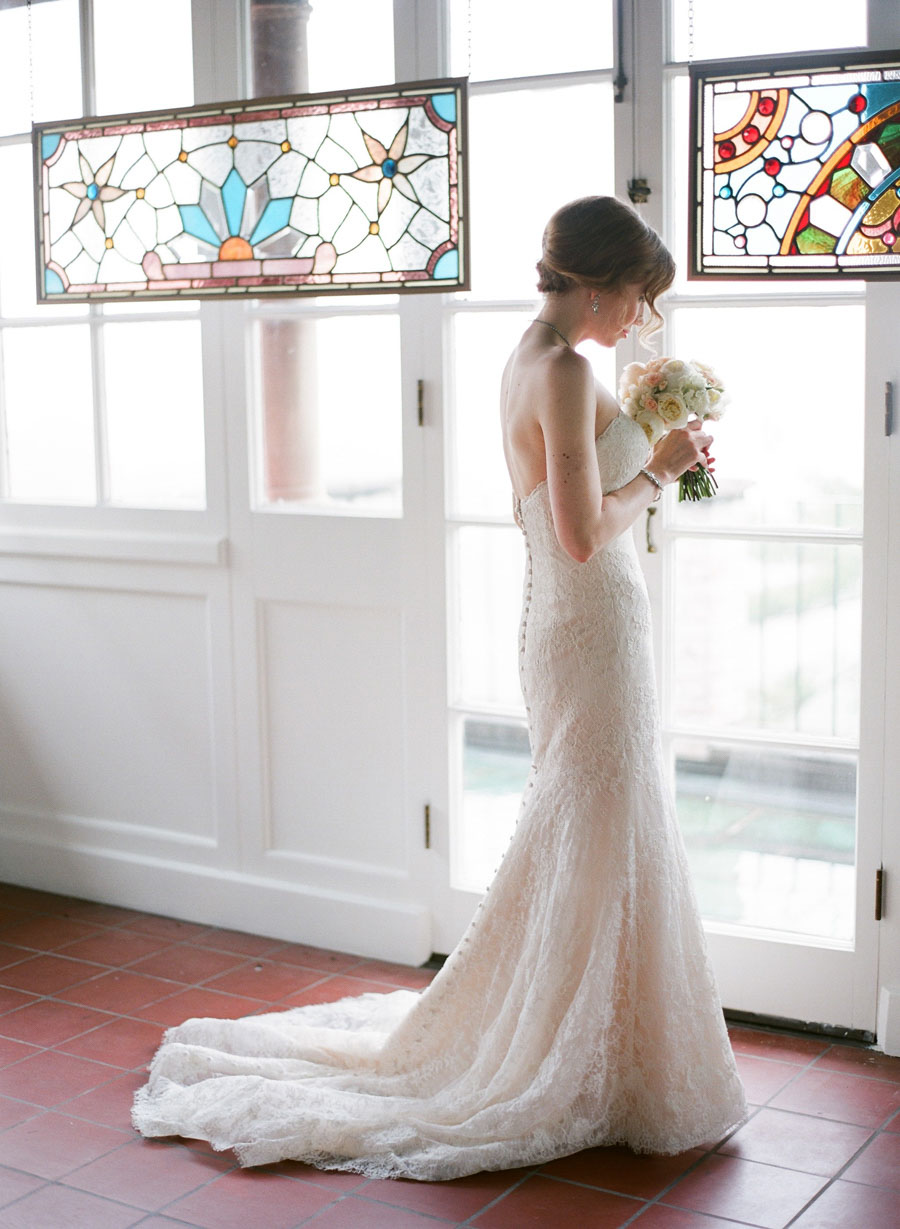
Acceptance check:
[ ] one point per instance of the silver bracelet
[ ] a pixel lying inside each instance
(656, 482)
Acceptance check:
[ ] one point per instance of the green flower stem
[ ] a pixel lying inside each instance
(696, 484)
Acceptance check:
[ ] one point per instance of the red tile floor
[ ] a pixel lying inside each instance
(86, 989)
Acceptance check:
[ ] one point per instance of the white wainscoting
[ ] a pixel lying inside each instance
(122, 738)
(99, 688)
(334, 723)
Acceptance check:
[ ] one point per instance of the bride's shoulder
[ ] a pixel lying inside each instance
(607, 404)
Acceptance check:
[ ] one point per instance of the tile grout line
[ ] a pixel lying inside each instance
(269, 956)
(499, 1198)
(835, 1177)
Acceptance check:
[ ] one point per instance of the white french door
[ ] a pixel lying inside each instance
(768, 603)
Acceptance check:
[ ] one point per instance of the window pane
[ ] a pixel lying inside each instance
(48, 405)
(154, 414)
(766, 637)
(490, 566)
(513, 195)
(770, 835)
(351, 43)
(527, 39)
(785, 456)
(17, 255)
(337, 45)
(723, 30)
(496, 759)
(54, 49)
(143, 58)
(479, 484)
(147, 307)
(330, 414)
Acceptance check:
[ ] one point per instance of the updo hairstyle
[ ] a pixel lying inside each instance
(603, 244)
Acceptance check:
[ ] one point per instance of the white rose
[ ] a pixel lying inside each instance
(694, 398)
(653, 426)
(716, 403)
(672, 410)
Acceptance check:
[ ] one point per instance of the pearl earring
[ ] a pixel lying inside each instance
(595, 305)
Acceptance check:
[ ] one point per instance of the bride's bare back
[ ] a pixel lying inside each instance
(530, 371)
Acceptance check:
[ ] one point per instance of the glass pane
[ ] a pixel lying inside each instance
(782, 460)
(512, 195)
(723, 30)
(154, 414)
(48, 404)
(770, 836)
(330, 414)
(147, 307)
(340, 44)
(490, 567)
(490, 40)
(54, 53)
(17, 255)
(496, 759)
(482, 340)
(143, 59)
(766, 637)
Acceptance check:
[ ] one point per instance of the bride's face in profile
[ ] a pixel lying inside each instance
(618, 312)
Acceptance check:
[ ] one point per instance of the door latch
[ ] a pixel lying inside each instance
(651, 545)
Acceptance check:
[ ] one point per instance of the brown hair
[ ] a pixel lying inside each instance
(601, 243)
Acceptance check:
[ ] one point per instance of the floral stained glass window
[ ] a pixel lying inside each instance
(341, 192)
(796, 168)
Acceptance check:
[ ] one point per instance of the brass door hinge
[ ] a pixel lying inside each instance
(879, 894)
(420, 401)
(427, 826)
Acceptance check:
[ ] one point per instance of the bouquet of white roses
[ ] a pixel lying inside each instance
(667, 393)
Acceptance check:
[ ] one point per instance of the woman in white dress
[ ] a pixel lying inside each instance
(579, 1009)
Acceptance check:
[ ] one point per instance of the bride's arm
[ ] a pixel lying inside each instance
(584, 518)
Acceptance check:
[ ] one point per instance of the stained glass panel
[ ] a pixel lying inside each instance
(350, 192)
(796, 170)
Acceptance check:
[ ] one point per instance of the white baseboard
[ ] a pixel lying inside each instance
(889, 1020)
(212, 896)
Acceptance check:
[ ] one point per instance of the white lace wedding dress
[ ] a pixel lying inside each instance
(579, 1008)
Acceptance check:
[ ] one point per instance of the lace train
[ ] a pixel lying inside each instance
(579, 1008)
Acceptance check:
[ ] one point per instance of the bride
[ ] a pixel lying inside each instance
(579, 1009)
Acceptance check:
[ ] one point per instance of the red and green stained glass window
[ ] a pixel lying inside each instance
(796, 168)
(343, 192)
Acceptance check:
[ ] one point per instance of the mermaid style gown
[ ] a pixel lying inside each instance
(579, 1008)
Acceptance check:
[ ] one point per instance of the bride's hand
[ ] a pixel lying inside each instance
(681, 450)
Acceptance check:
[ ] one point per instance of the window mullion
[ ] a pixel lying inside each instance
(101, 434)
(4, 443)
(88, 84)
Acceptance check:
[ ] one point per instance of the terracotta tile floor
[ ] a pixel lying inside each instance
(85, 990)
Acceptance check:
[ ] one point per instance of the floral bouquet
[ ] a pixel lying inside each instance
(665, 394)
